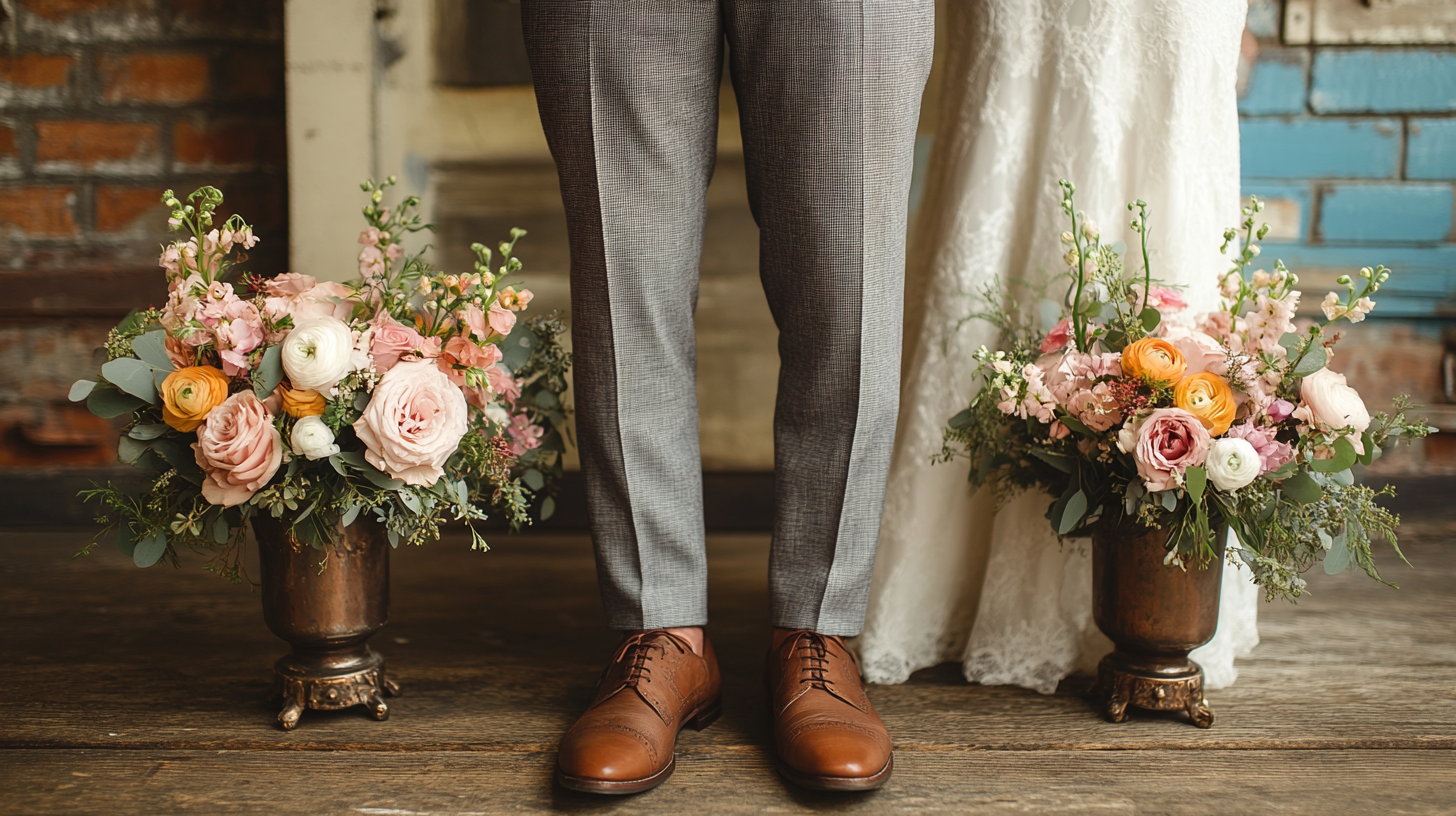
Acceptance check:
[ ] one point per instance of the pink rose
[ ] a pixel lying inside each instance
(413, 423)
(501, 320)
(1168, 301)
(1170, 441)
(391, 341)
(1202, 352)
(1057, 337)
(238, 449)
(1273, 454)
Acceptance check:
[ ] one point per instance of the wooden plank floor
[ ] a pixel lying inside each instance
(145, 691)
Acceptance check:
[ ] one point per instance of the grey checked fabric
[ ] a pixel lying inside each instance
(829, 94)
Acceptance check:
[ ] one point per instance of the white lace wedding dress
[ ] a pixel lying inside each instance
(1128, 99)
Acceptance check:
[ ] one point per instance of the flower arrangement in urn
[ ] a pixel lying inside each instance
(407, 396)
(1148, 423)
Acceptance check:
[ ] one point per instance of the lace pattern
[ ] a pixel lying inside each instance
(1128, 99)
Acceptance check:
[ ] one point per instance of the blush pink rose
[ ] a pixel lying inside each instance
(1170, 441)
(391, 341)
(327, 299)
(413, 423)
(1273, 454)
(238, 449)
(1203, 352)
(1057, 337)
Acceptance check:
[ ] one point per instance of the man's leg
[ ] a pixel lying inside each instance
(829, 94)
(628, 93)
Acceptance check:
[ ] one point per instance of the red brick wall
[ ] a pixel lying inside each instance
(103, 105)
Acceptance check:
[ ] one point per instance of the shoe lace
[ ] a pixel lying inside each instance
(812, 652)
(638, 649)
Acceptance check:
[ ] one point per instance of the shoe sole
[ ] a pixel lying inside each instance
(698, 720)
(837, 783)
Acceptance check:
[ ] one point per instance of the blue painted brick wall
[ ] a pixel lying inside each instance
(1376, 213)
(1353, 148)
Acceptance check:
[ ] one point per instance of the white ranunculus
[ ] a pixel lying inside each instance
(318, 353)
(1334, 404)
(1232, 463)
(313, 439)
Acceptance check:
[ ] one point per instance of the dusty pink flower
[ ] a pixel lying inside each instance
(1218, 325)
(413, 423)
(238, 449)
(1169, 441)
(501, 320)
(1280, 410)
(1165, 300)
(371, 262)
(525, 436)
(1095, 407)
(503, 383)
(391, 341)
(239, 331)
(179, 352)
(394, 252)
(369, 237)
(1203, 352)
(1273, 454)
(474, 318)
(1058, 336)
(1058, 431)
(461, 352)
(289, 284)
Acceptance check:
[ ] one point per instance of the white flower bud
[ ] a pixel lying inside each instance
(312, 438)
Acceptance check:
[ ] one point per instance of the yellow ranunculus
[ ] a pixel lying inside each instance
(302, 403)
(1153, 360)
(1209, 398)
(188, 394)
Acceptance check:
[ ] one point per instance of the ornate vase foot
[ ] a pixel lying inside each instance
(331, 681)
(1152, 682)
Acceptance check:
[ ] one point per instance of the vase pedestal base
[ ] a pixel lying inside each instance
(1153, 682)
(330, 681)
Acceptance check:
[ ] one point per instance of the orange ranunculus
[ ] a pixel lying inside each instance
(1209, 398)
(188, 394)
(1154, 360)
(299, 404)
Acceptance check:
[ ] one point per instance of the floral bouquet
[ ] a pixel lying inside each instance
(1131, 411)
(407, 395)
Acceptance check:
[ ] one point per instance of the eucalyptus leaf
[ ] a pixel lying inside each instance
(548, 508)
(1338, 557)
(1343, 459)
(1313, 361)
(107, 402)
(352, 513)
(393, 537)
(1290, 341)
(221, 530)
(1169, 499)
(148, 431)
(132, 376)
(411, 501)
(379, 479)
(269, 372)
(361, 401)
(1150, 318)
(128, 449)
(149, 550)
(516, 349)
(152, 349)
(534, 479)
(81, 389)
(958, 422)
(1344, 477)
(1302, 488)
(337, 465)
(1072, 513)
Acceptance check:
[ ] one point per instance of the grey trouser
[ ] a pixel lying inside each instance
(829, 94)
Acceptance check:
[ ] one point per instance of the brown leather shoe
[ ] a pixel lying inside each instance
(828, 736)
(653, 688)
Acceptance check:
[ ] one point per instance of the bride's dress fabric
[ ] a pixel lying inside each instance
(1127, 99)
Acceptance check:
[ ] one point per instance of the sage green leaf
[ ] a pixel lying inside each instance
(152, 349)
(148, 431)
(1071, 514)
(548, 508)
(1150, 318)
(1302, 488)
(149, 550)
(128, 449)
(105, 401)
(352, 513)
(131, 376)
(1313, 361)
(337, 465)
(1344, 477)
(81, 389)
(534, 479)
(1290, 341)
(1075, 425)
(411, 501)
(1169, 499)
(221, 530)
(1284, 471)
(1061, 463)
(1342, 460)
(1195, 480)
(546, 399)
(269, 372)
(1368, 443)
(516, 349)
(379, 479)
(958, 422)
(1338, 557)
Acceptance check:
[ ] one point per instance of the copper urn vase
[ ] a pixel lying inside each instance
(1155, 614)
(327, 603)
